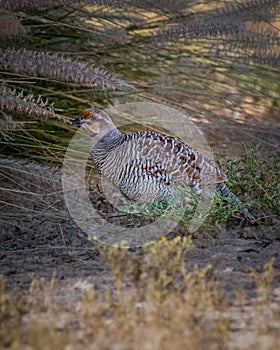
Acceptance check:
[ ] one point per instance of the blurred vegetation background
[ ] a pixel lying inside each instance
(216, 61)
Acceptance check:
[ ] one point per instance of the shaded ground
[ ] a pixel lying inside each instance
(30, 250)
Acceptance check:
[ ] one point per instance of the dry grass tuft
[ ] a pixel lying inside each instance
(58, 68)
(16, 103)
(158, 304)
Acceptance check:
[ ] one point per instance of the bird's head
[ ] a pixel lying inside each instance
(95, 121)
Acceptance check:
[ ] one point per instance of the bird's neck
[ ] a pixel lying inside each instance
(106, 144)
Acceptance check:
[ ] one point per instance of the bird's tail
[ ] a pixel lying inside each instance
(226, 193)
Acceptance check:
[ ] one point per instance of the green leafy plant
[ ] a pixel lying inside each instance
(255, 178)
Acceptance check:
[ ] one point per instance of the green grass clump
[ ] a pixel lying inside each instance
(254, 179)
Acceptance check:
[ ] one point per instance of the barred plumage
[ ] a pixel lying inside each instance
(146, 165)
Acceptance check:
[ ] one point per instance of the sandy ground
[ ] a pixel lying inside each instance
(40, 253)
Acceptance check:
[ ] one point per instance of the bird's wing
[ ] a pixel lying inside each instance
(176, 160)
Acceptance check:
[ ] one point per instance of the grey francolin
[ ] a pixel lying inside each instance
(146, 165)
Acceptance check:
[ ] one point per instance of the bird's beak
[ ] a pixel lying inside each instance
(78, 120)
